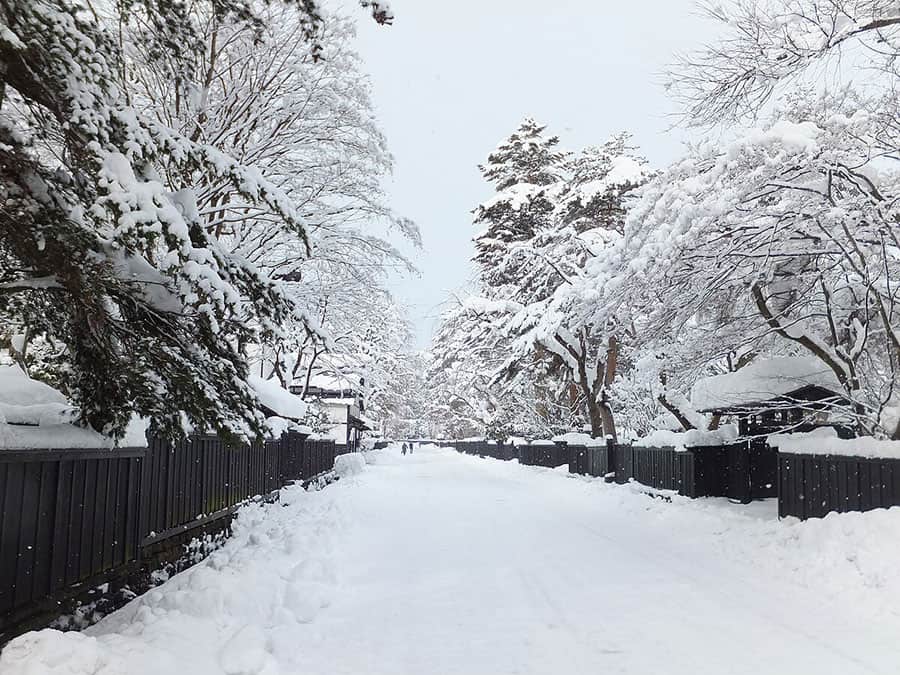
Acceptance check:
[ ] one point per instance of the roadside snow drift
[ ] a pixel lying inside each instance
(440, 563)
(351, 464)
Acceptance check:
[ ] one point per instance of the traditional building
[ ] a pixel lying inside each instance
(342, 403)
(778, 395)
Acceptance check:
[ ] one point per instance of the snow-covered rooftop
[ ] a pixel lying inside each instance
(278, 399)
(27, 401)
(762, 381)
(35, 415)
(332, 381)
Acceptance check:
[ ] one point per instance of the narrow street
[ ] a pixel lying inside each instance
(446, 564)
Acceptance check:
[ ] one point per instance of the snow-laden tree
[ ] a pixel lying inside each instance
(767, 43)
(588, 216)
(102, 244)
(399, 406)
(524, 169)
(464, 399)
(521, 329)
(308, 124)
(788, 233)
(833, 158)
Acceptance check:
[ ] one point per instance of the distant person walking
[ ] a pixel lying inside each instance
(403, 451)
(411, 446)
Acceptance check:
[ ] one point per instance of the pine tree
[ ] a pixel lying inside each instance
(524, 168)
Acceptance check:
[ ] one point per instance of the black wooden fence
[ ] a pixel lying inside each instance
(496, 450)
(589, 461)
(807, 486)
(70, 519)
(544, 454)
(810, 486)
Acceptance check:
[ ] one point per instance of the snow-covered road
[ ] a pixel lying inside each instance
(439, 563)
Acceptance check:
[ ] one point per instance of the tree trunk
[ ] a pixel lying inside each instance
(595, 415)
(609, 425)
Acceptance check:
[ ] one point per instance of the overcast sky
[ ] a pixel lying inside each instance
(452, 78)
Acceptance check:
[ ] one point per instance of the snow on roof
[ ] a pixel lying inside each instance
(762, 381)
(16, 388)
(278, 399)
(27, 401)
(334, 381)
(35, 415)
(68, 436)
(339, 401)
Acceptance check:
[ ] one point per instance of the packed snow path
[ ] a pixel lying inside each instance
(439, 563)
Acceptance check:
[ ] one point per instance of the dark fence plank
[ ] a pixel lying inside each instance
(69, 516)
(811, 486)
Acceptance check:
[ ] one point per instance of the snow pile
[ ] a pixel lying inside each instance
(278, 399)
(762, 381)
(824, 441)
(575, 438)
(27, 401)
(351, 464)
(663, 438)
(35, 415)
(238, 612)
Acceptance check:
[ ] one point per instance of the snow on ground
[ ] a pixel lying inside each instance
(441, 563)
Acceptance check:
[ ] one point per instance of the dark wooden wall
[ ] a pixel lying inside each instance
(811, 486)
(70, 517)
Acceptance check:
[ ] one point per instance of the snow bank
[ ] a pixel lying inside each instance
(278, 399)
(237, 612)
(575, 438)
(761, 381)
(663, 438)
(351, 464)
(824, 441)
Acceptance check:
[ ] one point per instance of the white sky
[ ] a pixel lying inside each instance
(451, 78)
